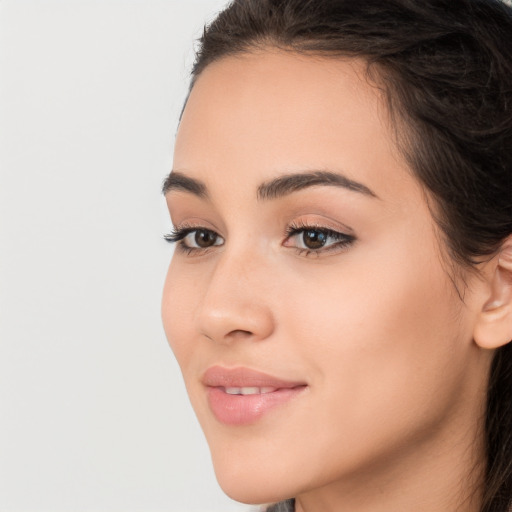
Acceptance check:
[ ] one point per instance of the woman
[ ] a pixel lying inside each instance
(340, 298)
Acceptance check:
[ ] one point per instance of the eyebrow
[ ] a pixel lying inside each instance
(289, 183)
(179, 181)
(275, 188)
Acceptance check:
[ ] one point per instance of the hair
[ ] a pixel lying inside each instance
(445, 67)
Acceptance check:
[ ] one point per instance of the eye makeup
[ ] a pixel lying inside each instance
(314, 239)
(308, 239)
(193, 239)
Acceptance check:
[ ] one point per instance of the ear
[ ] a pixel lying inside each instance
(493, 328)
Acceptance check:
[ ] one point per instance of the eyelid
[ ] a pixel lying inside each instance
(322, 223)
(322, 210)
(183, 228)
(180, 233)
(343, 240)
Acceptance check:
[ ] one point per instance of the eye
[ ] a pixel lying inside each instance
(201, 239)
(194, 239)
(312, 239)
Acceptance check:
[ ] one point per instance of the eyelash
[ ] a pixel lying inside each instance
(178, 234)
(342, 240)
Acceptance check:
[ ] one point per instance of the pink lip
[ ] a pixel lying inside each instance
(238, 409)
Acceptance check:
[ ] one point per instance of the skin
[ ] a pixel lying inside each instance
(392, 415)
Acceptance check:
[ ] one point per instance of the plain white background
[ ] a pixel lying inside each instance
(93, 413)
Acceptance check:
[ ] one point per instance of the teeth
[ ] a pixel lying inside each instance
(249, 391)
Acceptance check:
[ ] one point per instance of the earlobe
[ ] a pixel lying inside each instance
(494, 324)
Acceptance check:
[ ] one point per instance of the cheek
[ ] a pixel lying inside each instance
(180, 294)
(384, 355)
(381, 344)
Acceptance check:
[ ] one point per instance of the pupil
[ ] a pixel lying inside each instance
(205, 238)
(314, 239)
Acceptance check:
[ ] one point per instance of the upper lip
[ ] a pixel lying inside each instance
(218, 376)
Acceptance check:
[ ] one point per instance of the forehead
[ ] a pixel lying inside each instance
(251, 116)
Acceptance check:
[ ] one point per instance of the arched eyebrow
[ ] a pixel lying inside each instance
(275, 188)
(289, 183)
(179, 181)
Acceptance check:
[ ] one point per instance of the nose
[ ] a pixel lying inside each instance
(236, 303)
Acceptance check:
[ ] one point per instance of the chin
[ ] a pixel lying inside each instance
(252, 463)
(251, 488)
(252, 475)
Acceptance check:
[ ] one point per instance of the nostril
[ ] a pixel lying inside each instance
(240, 333)
(234, 334)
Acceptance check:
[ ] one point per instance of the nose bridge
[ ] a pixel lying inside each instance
(235, 303)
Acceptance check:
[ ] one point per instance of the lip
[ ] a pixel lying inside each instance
(246, 409)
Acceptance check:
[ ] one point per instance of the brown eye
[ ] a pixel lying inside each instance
(314, 239)
(204, 238)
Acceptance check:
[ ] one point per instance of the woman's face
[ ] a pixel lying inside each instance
(320, 335)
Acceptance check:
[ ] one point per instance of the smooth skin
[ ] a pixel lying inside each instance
(392, 415)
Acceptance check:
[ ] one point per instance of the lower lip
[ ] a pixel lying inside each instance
(247, 409)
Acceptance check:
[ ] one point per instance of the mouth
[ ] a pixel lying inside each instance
(248, 390)
(241, 396)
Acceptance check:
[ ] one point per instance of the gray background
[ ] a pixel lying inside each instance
(93, 413)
